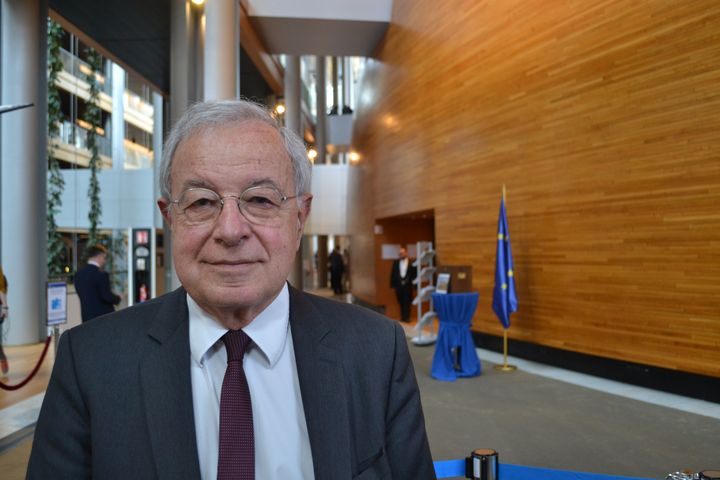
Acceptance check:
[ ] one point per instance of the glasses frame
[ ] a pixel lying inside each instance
(238, 201)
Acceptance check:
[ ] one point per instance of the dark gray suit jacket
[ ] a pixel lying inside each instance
(119, 402)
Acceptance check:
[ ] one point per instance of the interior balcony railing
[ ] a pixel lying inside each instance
(80, 69)
(137, 156)
(138, 107)
(71, 146)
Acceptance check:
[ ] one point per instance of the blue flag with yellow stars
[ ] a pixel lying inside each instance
(505, 299)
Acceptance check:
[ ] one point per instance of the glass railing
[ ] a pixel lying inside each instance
(79, 69)
(136, 158)
(142, 92)
(137, 103)
(76, 136)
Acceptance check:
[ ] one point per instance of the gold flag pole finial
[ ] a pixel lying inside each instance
(505, 367)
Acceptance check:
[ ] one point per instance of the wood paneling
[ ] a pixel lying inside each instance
(601, 117)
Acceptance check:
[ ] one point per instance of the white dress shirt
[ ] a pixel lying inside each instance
(282, 445)
(403, 266)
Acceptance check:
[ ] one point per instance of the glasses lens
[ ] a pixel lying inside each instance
(199, 205)
(261, 203)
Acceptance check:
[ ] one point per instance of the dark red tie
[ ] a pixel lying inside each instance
(236, 459)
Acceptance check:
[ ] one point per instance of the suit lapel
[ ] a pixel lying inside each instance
(322, 385)
(167, 391)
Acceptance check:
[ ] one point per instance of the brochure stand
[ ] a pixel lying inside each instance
(424, 281)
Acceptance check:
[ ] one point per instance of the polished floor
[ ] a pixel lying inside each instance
(536, 416)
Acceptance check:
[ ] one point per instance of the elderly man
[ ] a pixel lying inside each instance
(236, 374)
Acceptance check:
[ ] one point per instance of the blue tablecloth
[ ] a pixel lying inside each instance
(455, 312)
(456, 468)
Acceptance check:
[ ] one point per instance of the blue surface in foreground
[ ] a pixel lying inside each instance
(456, 468)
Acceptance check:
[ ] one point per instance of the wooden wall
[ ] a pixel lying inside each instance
(602, 118)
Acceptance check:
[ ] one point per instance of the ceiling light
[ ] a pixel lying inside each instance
(198, 2)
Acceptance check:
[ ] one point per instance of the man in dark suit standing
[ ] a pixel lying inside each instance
(401, 279)
(236, 374)
(92, 285)
(337, 265)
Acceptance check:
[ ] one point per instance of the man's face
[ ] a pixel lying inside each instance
(233, 268)
(403, 253)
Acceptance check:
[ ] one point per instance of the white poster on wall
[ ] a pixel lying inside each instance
(390, 251)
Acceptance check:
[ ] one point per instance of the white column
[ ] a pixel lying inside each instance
(342, 84)
(157, 145)
(117, 136)
(336, 106)
(157, 156)
(320, 128)
(336, 85)
(183, 91)
(346, 82)
(221, 79)
(293, 112)
(293, 122)
(181, 46)
(23, 163)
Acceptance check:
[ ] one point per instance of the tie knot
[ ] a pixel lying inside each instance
(236, 342)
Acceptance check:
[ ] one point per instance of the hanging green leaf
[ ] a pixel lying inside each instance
(93, 116)
(56, 183)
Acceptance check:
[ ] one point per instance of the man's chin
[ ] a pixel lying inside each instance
(234, 296)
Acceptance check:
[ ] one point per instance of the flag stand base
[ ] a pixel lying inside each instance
(505, 368)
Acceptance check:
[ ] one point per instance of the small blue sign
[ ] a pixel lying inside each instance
(56, 303)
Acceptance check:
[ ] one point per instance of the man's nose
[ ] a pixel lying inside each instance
(231, 225)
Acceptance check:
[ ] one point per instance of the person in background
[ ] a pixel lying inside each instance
(235, 375)
(4, 310)
(401, 279)
(93, 286)
(337, 265)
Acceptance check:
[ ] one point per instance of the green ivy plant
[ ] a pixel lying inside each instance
(56, 183)
(93, 116)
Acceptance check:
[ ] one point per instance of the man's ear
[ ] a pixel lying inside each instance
(303, 212)
(164, 206)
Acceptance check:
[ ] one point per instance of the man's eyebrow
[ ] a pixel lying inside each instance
(200, 183)
(263, 182)
(197, 183)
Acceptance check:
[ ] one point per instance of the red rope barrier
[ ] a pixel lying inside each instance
(35, 370)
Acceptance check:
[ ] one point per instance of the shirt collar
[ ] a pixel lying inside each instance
(268, 331)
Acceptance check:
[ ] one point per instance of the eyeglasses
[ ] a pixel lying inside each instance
(261, 205)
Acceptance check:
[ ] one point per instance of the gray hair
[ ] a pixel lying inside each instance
(204, 115)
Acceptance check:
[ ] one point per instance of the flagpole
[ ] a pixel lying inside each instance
(505, 367)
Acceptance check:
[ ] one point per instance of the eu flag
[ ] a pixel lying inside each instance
(505, 299)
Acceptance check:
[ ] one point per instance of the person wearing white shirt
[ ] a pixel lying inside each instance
(402, 275)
